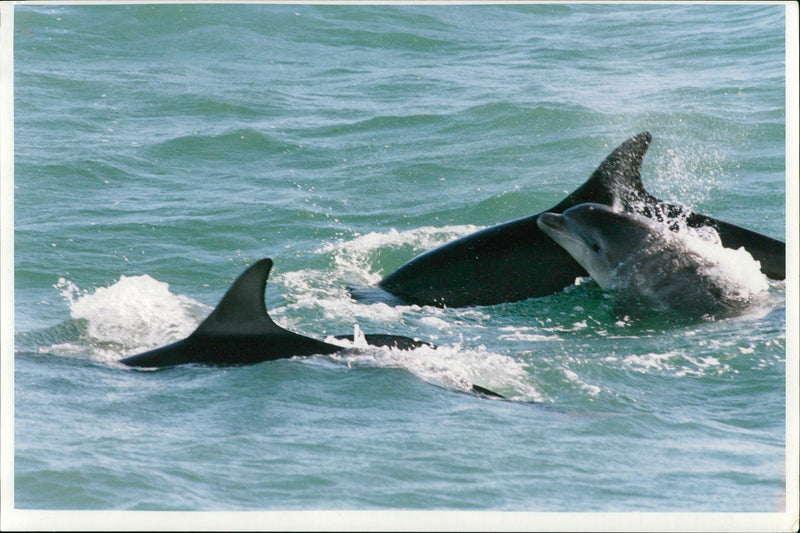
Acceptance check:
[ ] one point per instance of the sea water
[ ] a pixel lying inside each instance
(162, 149)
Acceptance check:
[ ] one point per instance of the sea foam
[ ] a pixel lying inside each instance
(451, 367)
(134, 314)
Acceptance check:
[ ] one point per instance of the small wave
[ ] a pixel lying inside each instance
(452, 367)
(521, 117)
(356, 256)
(525, 334)
(131, 315)
(592, 390)
(675, 362)
(219, 145)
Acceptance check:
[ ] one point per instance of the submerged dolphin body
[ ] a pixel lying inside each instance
(516, 260)
(650, 268)
(240, 331)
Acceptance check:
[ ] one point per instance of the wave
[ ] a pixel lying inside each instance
(134, 314)
(537, 350)
(354, 255)
(218, 146)
(451, 367)
(138, 313)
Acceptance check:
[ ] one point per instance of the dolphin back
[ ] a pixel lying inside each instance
(238, 331)
(515, 260)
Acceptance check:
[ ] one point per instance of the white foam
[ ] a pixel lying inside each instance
(676, 363)
(437, 323)
(740, 273)
(523, 334)
(132, 315)
(648, 362)
(316, 291)
(592, 390)
(451, 367)
(325, 291)
(353, 256)
(734, 272)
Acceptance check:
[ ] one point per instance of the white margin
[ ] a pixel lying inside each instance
(792, 451)
(39, 520)
(6, 260)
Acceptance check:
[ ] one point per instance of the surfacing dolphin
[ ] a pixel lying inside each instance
(516, 260)
(650, 269)
(240, 331)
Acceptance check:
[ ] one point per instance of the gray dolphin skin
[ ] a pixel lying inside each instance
(239, 332)
(516, 260)
(650, 268)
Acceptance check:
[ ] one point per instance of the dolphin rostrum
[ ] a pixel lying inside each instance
(516, 260)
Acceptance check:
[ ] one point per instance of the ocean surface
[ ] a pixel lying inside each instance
(162, 149)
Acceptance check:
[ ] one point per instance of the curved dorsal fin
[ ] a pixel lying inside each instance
(617, 179)
(242, 310)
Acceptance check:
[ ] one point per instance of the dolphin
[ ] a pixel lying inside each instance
(240, 331)
(650, 268)
(515, 260)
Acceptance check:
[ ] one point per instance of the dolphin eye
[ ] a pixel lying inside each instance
(595, 247)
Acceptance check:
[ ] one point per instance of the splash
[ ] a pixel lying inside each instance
(734, 272)
(692, 173)
(359, 339)
(676, 363)
(450, 367)
(356, 261)
(687, 269)
(739, 274)
(134, 314)
(355, 256)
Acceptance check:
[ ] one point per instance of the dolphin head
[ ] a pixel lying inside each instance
(598, 238)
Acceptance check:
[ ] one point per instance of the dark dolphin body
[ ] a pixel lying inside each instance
(239, 332)
(516, 260)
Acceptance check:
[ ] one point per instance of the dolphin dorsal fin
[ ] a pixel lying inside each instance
(242, 310)
(618, 179)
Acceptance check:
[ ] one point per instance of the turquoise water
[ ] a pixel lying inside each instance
(161, 149)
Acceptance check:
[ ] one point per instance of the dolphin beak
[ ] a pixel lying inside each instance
(561, 229)
(552, 223)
